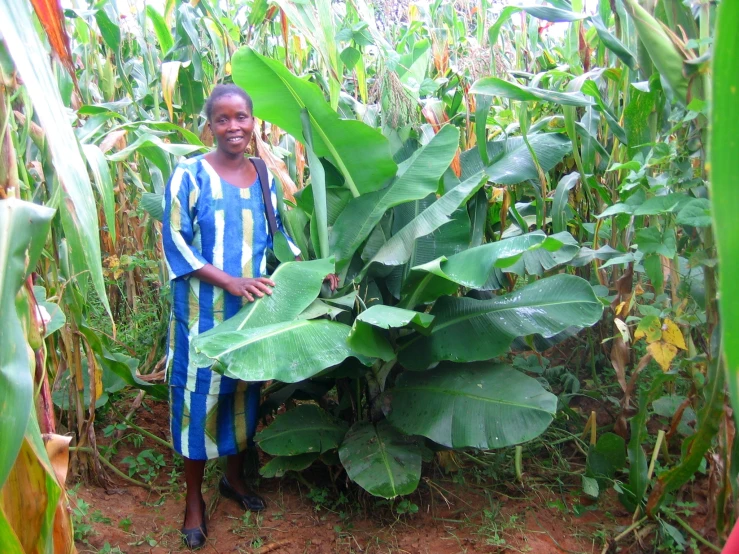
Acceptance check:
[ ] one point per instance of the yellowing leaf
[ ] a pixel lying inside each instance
(170, 71)
(649, 327)
(663, 353)
(623, 329)
(671, 334)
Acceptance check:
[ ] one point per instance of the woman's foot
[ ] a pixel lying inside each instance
(238, 492)
(194, 531)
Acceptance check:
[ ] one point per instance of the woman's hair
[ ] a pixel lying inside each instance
(226, 90)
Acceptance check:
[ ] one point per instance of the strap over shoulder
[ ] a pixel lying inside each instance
(261, 168)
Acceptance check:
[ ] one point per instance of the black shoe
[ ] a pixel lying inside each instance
(251, 502)
(195, 537)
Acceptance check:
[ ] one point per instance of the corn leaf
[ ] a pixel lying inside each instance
(80, 215)
(724, 152)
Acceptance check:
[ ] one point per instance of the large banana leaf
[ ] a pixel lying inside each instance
(79, 214)
(399, 248)
(359, 152)
(23, 230)
(467, 330)
(512, 161)
(289, 351)
(297, 285)
(381, 460)
(302, 430)
(367, 339)
(471, 268)
(266, 340)
(725, 196)
(417, 178)
(539, 260)
(481, 405)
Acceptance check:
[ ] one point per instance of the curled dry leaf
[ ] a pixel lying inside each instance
(620, 359)
(57, 447)
(116, 138)
(277, 167)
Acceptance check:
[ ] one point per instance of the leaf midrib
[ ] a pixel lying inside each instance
(465, 394)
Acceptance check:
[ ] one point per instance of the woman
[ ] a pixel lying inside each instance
(215, 236)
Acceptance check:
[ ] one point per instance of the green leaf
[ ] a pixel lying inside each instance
(280, 465)
(655, 241)
(79, 214)
(724, 152)
(389, 317)
(669, 203)
(288, 352)
(108, 29)
(697, 213)
(399, 248)
(493, 86)
(640, 118)
(304, 429)
(612, 43)
(153, 203)
(468, 330)
(538, 260)
(23, 230)
(360, 153)
(481, 405)
(318, 187)
(607, 457)
(297, 285)
(560, 204)
(417, 178)
(590, 487)
(471, 268)
(266, 340)
(516, 164)
(164, 36)
(58, 318)
(350, 56)
(103, 183)
(664, 54)
(546, 13)
(381, 460)
(365, 337)
(148, 141)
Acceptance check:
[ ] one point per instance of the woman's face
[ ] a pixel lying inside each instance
(232, 124)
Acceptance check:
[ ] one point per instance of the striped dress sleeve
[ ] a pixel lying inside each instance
(178, 231)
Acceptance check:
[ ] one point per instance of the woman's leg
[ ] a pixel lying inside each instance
(194, 516)
(235, 463)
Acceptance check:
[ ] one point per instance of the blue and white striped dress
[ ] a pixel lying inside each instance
(210, 221)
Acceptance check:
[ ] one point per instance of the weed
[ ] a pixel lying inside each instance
(146, 464)
(107, 549)
(98, 517)
(82, 529)
(406, 507)
(136, 440)
(125, 524)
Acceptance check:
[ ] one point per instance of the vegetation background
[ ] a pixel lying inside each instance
(529, 207)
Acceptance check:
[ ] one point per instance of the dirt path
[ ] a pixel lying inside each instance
(137, 521)
(476, 509)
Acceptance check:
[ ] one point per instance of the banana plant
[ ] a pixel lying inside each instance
(412, 352)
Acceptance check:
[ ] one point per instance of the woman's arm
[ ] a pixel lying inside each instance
(238, 286)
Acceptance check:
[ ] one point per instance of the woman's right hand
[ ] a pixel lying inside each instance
(249, 288)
